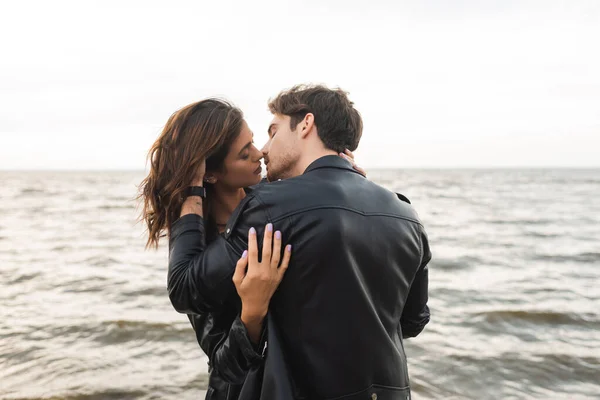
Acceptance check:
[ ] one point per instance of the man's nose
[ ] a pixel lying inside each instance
(265, 149)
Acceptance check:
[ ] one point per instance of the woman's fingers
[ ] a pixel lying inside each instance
(240, 269)
(287, 254)
(345, 157)
(252, 246)
(360, 170)
(267, 244)
(276, 250)
(200, 172)
(349, 154)
(351, 160)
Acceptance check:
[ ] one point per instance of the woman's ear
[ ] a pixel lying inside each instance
(210, 178)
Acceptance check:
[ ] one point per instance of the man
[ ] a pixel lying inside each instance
(357, 282)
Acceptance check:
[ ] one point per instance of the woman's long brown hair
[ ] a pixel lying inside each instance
(202, 130)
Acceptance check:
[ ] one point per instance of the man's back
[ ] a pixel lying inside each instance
(357, 250)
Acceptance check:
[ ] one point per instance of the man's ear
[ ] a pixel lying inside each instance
(306, 125)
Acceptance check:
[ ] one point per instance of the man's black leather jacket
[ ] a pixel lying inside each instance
(356, 285)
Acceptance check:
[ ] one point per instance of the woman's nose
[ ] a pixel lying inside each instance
(258, 154)
(265, 149)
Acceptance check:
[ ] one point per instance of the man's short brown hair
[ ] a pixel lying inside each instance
(338, 123)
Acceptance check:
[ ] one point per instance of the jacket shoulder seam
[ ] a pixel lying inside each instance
(233, 220)
(367, 214)
(260, 200)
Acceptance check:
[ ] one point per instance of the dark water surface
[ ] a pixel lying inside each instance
(515, 295)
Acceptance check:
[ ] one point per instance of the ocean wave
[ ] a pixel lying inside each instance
(586, 257)
(122, 331)
(62, 248)
(541, 235)
(23, 278)
(100, 261)
(554, 364)
(450, 295)
(538, 317)
(456, 264)
(116, 207)
(97, 395)
(157, 291)
(540, 221)
(509, 373)
(30, 190)
(120, 198)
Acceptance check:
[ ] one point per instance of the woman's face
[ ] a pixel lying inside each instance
(242, 163)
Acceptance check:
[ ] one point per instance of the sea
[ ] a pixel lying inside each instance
(514, 288)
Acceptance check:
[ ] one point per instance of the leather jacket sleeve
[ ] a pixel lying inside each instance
(229, 349)
(416, 312)
(200, 276)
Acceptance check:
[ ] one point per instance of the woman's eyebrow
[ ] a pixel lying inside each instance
(244, 148)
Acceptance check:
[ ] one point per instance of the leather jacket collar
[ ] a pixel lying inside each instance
(330, 161)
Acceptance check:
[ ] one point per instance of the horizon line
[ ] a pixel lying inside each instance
(493, 167)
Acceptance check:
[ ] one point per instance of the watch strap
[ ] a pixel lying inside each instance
(195, 191)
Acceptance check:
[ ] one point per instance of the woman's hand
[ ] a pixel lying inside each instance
(199, 178)
(192, 204)
(347, 154)
(257, 281)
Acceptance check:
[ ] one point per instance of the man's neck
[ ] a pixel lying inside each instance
(225, 201)
(311, 156)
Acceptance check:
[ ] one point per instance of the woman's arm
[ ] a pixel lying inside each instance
(232, 340)
(225, 340)
(200, 274)
(256, 281)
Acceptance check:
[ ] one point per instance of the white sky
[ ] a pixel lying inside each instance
(89, 84)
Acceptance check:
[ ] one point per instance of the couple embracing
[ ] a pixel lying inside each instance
(302, 285)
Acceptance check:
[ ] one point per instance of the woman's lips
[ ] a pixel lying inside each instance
(258, 170)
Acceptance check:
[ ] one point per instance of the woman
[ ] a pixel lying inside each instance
(215, 131)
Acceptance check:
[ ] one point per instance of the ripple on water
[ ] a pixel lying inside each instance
(89, 395)
(100, 261)
(120, 331)
(117, 207)
(33, 191)
(155, 291)
(538, 317)
(519, 222)
(24, 278)
(452, 264)
(584, 257)
(506, 374)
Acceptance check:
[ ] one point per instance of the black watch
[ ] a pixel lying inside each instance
(195, 191)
